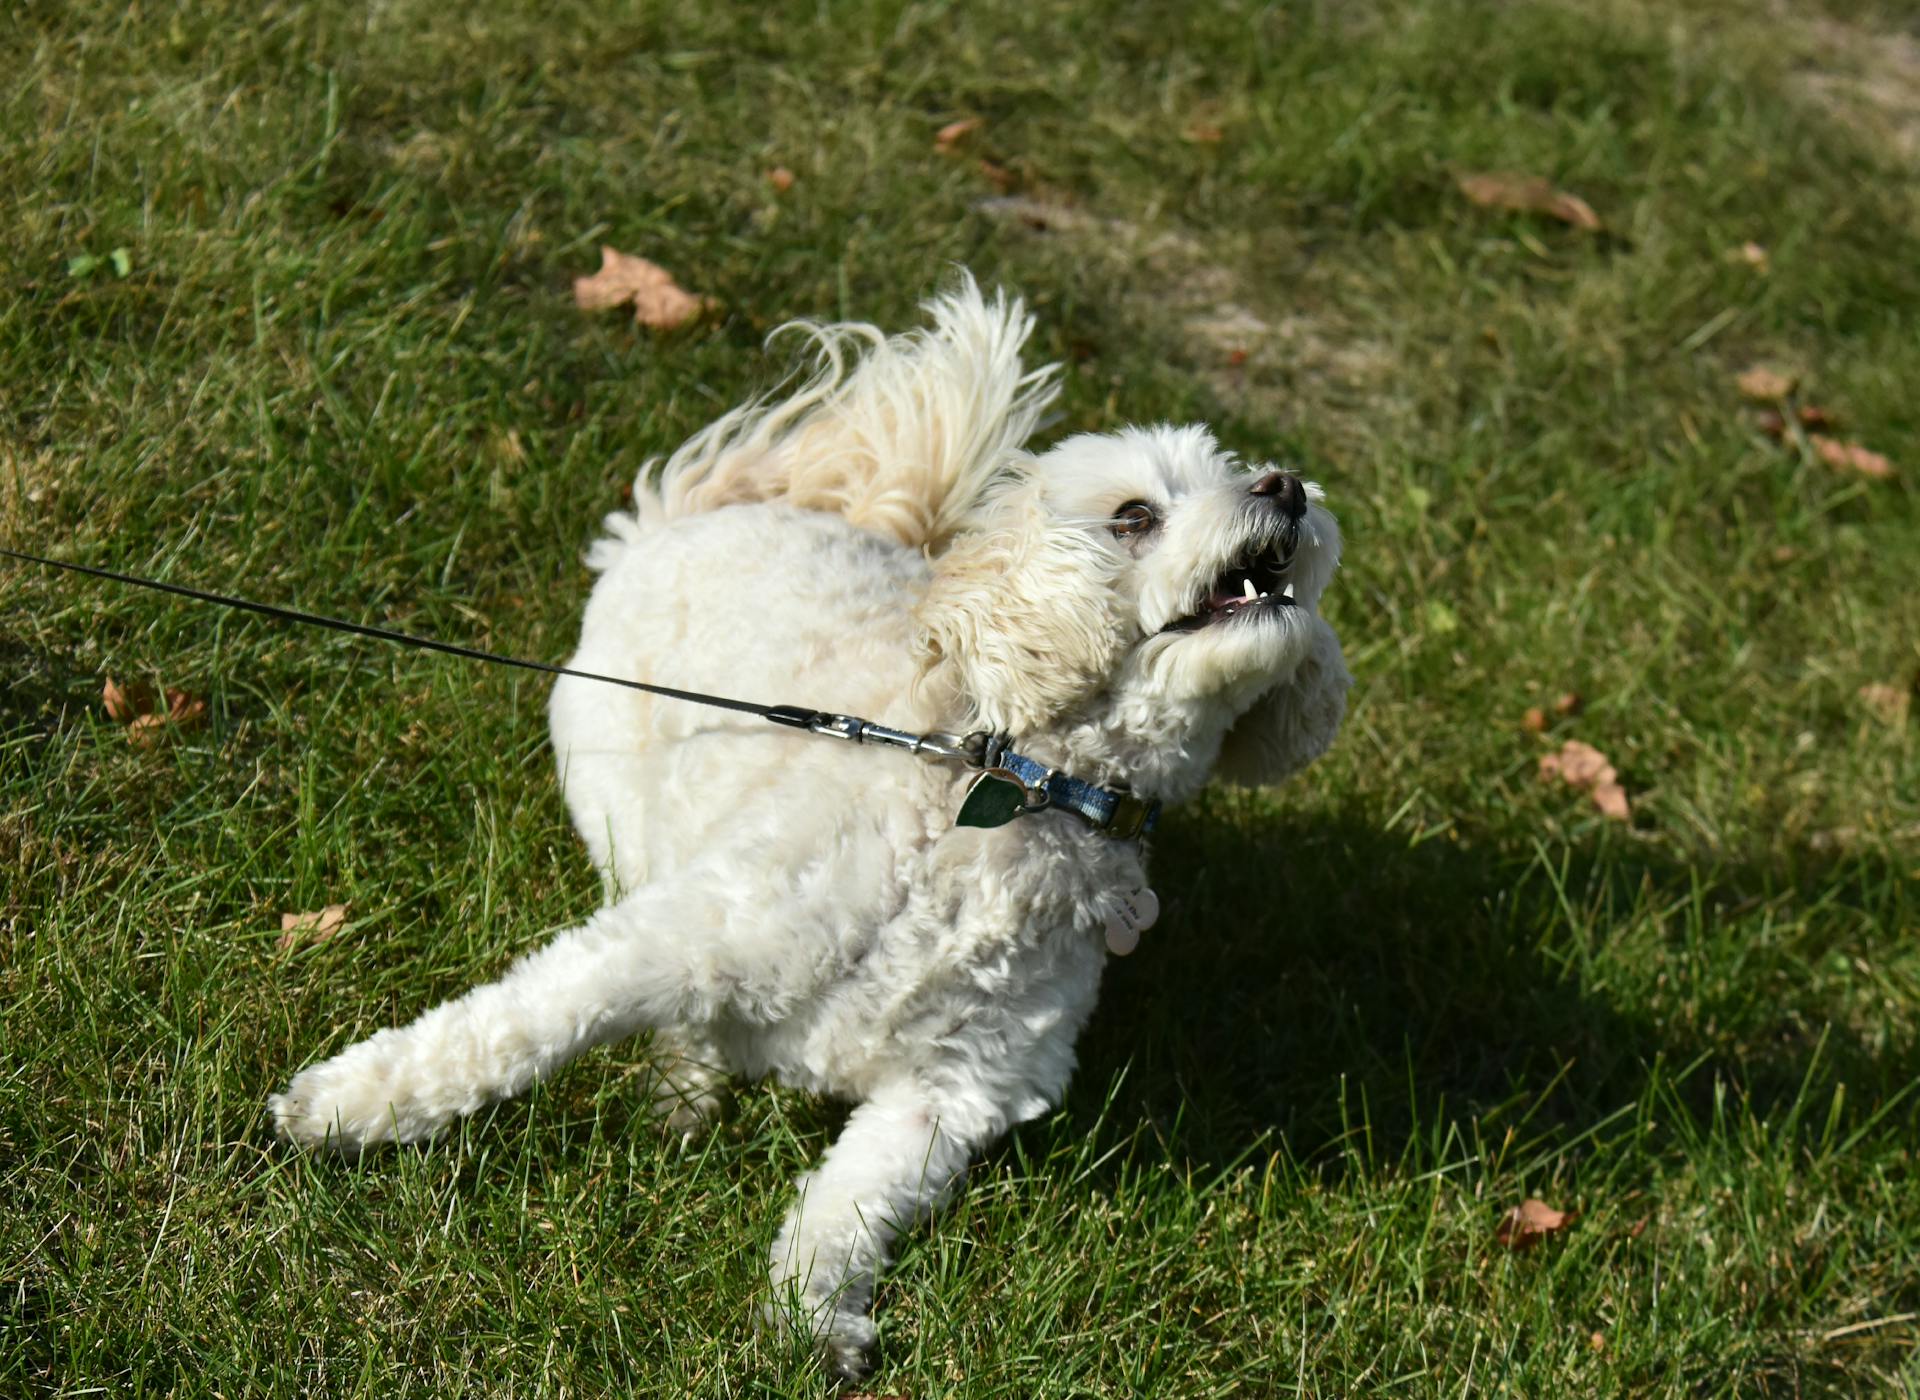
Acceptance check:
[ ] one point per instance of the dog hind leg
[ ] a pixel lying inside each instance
(628, 967)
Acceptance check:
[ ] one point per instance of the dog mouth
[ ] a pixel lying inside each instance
(1257, 584)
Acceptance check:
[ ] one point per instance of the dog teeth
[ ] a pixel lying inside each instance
(1287, 592)
(1249, 591)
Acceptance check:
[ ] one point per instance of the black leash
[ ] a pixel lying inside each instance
(1009, 786)
(791, 715)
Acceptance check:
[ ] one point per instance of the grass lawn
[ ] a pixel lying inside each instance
(285, 308)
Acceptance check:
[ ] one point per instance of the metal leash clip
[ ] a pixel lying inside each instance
(970, 749)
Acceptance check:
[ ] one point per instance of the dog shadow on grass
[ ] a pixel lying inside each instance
(1313, 984)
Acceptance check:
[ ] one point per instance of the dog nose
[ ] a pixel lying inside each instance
(1285, 490)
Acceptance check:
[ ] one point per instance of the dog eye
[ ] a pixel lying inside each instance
(1133, 518)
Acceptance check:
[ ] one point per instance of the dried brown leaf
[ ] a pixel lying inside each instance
(1527, 194)
(145, 729)
(320, 924)
(1204, 134)
(948, 138)
(1764, 385)
(1568, 703)
(123, 704)
(658, 301)
(780, 178)
(1534, 721)
(185, 710)
(1812, 415)
(1579, 764)
(1611, 799)
(1851, 457)
(1531, 1221)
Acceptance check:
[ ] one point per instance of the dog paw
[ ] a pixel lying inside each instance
(842, 1337)
(687, 1117)
(848, 1347)
(686, 1086)
(347, 1103)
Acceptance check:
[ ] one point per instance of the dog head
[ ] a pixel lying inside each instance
(1152, 577)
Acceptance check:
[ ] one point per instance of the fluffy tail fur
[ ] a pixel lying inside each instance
(899, 435)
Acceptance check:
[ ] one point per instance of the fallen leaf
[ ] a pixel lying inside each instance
(1771, 422)
(1531, 1221)
(1204, 134)
(780, 178)
(132, 705)
(1811, 415)
(123, 705)
(1568, 704)
(948, 137)
(1764, 385)
(1890, 702)
(658, 301)
(321, 923)
(1534, 721)
(1611, 799)
(145, 729)
(1597, 1341)
(1237, 357)
(185, 710)
(1579, 764)
(1527, 194)
(1851, 457)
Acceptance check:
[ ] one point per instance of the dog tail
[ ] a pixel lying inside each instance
(899, 435)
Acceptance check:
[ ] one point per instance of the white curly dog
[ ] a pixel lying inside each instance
(1137, 610)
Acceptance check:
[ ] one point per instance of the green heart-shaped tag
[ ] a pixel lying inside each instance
(995, 799)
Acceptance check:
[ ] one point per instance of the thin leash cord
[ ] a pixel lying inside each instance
(779, 714)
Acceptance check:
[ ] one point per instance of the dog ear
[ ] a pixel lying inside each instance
(1293, 724)
(1021, 619)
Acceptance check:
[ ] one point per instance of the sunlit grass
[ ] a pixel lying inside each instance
(342, 368)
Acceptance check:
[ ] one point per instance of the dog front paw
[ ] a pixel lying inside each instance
(848, 1346)
(348, 1103)
(842, 1335)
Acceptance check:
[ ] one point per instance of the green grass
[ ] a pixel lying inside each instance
(1385, 1003)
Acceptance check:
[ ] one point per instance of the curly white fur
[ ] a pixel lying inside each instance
(875, 544)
